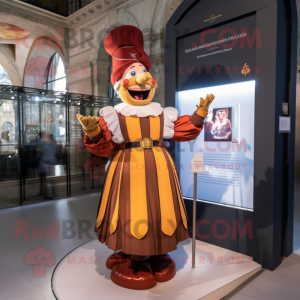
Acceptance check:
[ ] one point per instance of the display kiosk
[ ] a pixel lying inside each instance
(245, 53)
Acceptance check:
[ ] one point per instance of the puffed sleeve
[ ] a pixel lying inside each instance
(185, 130)
(179, 128)
(105, 147)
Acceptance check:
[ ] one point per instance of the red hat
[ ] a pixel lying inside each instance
(126, 46)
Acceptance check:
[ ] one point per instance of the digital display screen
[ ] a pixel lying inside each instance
(227, 144)
(220, 60)
(220, 55)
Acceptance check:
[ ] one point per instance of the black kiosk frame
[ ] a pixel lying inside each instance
(273, 190)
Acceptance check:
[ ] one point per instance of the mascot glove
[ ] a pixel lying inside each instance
(90, 125)
(204, 105)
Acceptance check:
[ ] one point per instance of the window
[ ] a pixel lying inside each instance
(7, 126)
(4, 78)
(56, 75)
(5, 106)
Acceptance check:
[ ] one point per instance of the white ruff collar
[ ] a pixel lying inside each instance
(151, 109)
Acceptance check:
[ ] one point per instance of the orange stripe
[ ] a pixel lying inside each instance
(167, 211)
(133, 128)
(177, 180)
(114, 221)
(138, 198)
(105, 193)
(179, 196)
(154, 127)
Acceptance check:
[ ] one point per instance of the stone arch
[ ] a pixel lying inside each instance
(102, 82)
(171, 6)
(30, 23)
(38, 59)
(37, 28)
(7, 124)
(127, 18)
(123, 17)
(163, 12)
(11, 70)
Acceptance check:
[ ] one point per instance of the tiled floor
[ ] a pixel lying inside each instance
(284, 282)
(17, 280)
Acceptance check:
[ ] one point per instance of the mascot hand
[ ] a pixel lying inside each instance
(90, 125)
(204, 105)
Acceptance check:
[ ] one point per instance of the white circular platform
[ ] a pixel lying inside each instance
(82, 274)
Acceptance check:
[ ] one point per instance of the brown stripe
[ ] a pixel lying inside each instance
(107, 188)
(123, 127)
(105, 179)
(115, 241)
(176, 170)
(161, 126)
(115, 217)
(114, 189)
(173, 186)
(124, 212)
(138, 195)
(145, 127)
(154, 234)
(179, 195)
(103, 229)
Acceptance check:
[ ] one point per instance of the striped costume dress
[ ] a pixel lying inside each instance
(141, 210)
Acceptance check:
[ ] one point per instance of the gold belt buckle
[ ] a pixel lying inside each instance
(146, 143)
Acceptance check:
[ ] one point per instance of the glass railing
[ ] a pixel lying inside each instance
(42, 156)
(75, 5)
(61, 7)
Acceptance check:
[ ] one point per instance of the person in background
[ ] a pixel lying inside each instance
(47, 163)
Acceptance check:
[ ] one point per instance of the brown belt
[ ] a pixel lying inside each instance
(147, 143)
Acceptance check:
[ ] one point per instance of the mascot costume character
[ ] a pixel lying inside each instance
(141, 212)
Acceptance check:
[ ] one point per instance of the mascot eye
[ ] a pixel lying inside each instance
(132, 73)
(144, 71)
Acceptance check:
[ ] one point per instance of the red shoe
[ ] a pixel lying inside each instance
(117, 259)
(136, 275)
(163, 267)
